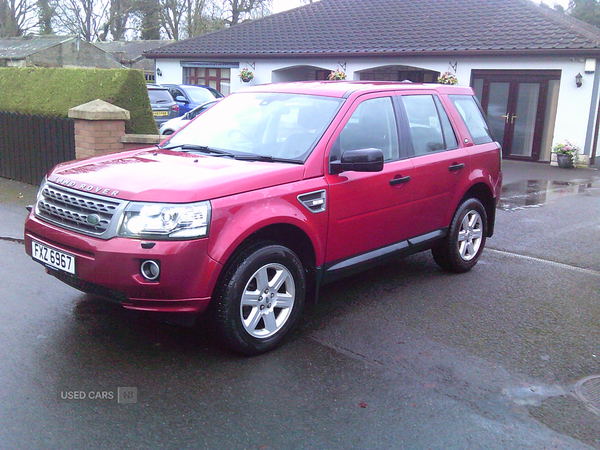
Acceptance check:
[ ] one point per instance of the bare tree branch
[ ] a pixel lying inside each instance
(82, 17)
(16, 17)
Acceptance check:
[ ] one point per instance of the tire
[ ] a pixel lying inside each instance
(461, 248)
(261, 298)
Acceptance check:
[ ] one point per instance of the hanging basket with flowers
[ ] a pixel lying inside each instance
(337, 75)
(246, 75)
(447, 78)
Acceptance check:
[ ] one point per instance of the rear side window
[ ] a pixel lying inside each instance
(471, 113)
(430, 128)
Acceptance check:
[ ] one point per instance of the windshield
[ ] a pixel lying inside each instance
(282, 126)
(200, 95)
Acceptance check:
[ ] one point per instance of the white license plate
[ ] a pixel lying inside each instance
(52, 257)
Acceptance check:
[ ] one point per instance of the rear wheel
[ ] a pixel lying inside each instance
(261, 298)
(461, 248)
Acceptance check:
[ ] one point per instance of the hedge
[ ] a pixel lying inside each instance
(52, 92)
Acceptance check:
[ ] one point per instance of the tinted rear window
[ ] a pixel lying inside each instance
(159, 96)
(430, 127)
(471, 113)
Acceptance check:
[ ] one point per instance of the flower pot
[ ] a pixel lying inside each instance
(564, 161)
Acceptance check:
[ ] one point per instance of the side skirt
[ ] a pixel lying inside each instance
(349, 266)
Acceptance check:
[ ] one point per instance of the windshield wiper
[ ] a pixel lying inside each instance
(198, 148)
(267, 158)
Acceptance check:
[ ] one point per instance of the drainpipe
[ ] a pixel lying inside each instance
(591, 137)
(595, 143)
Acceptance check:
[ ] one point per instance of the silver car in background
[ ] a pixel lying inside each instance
(172, 125)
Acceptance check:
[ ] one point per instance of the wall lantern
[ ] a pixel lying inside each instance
(159, 73)
(578, 81)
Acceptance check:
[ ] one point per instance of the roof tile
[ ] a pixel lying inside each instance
(395, 26)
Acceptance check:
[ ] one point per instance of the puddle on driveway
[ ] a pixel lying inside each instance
(534, 193)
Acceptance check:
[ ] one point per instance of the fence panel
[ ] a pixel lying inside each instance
(30, 145)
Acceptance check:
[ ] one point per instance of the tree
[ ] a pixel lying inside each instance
(16, 17)
(586, 10)
(118, 19)
(85, 18)
(202, 16)
(171, 16)
(236, 11)
(46, 13)
(148, 18)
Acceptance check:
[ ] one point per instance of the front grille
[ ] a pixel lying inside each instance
(79, 211)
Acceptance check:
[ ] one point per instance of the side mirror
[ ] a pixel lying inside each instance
(181, 99)
(363, 160)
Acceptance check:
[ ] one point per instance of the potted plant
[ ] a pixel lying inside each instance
(566, 154)
(447, 78)
(337, 75)
(246, 75)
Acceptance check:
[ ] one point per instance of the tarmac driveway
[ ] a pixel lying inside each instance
(403, 356)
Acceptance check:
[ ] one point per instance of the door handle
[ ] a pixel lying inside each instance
(456, 166)
(399, 180)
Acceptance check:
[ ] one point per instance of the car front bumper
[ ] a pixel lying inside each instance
(112, 268)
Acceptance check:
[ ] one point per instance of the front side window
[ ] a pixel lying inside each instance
(430, 128)
(471, 113)
(175, 92)
(283, 126)
(372, 125)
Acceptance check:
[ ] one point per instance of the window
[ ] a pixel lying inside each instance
(216, 78)
(175, 92)
(471, 113)
(372, 125)
(268, 124)
(430, 128)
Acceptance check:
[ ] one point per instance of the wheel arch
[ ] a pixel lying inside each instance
(483, 193)
(292, 237)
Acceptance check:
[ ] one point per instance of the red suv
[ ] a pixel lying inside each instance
(274, 191)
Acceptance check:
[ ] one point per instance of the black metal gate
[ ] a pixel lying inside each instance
(30, 145)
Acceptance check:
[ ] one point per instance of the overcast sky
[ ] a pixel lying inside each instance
(282, 5)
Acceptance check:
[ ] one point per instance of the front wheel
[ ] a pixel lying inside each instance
(261, 298)
(461, 248)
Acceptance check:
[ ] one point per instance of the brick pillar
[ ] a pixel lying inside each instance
(99, 128)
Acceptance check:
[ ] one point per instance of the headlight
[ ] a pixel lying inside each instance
(165, 220)
(39, 193)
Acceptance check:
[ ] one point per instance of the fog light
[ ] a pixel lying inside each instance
(150, 270)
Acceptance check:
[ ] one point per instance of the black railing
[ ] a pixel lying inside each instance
(31, 145)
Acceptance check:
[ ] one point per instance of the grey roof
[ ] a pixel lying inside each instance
(398, 27)
(22, 47)
(130, 50)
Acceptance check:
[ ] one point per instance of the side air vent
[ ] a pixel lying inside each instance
(315, 202)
